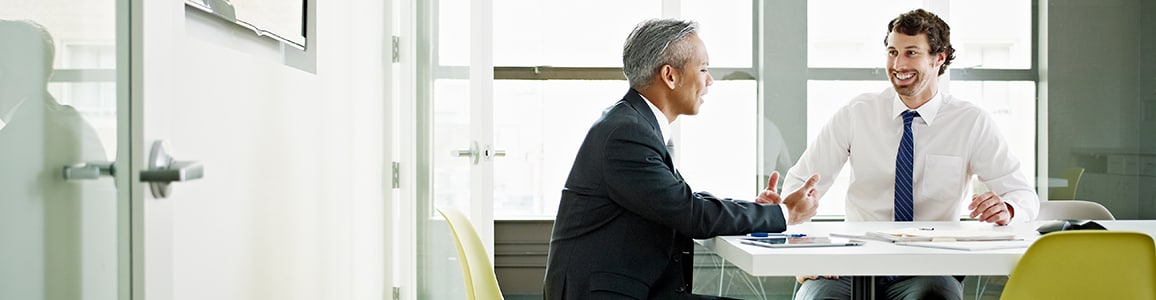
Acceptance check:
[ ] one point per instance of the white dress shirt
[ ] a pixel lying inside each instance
(663, 123)
(954, 139)
(6, 116)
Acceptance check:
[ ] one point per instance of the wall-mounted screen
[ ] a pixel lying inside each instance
(283, 20)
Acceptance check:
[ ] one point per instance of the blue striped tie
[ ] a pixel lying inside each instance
(904, 208)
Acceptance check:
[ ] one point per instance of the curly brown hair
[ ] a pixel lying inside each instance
(921, 21)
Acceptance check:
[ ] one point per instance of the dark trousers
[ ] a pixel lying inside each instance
(913, 287)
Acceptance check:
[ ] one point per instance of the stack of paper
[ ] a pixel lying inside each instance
(934, 235)
(972, 245)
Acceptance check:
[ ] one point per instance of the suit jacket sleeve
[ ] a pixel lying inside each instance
(639, 179)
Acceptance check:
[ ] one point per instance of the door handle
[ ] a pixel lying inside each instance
(488, 153)
(164, 170)
(88, 170)
(472, 153)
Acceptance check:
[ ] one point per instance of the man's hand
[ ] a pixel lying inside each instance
(801, 279)
(801, 204)
(768, 195)
(989, 207)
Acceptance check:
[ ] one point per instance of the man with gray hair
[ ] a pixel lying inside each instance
(42, 233)
(626, 219)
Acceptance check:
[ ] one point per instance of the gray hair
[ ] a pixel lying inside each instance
(652, 44)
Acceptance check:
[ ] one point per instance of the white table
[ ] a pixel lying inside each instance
(883, 258)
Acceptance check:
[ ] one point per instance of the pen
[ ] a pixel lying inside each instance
(790, 235)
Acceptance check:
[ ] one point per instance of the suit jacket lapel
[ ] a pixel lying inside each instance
(635, 100)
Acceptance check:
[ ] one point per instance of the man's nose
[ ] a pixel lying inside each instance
(898, 62)
(709, 79)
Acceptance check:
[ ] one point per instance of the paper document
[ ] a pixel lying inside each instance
(783, 242)
(926, 234)
(971, 246)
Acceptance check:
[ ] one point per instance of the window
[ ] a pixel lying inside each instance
(552, 80)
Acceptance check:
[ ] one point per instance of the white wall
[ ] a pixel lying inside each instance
(291, 203)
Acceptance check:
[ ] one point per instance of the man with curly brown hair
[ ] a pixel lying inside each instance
(913, 150)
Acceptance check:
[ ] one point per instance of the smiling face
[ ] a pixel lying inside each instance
(692, 80)
(912, 69)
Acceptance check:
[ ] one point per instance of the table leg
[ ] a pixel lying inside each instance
(863, 287)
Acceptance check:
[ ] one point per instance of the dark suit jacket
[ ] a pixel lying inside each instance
(626, 218)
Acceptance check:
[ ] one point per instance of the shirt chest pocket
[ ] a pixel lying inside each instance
(942, 177)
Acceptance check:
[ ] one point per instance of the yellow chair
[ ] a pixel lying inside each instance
(1086, 264)
(1054, 210)
(478, 272)
(1073, 175)
(1073, 210)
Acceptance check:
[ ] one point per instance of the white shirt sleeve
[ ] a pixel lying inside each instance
(1000, 171)
(826, 156)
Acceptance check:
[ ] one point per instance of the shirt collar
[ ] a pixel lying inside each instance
(927, 111)
(663, 124)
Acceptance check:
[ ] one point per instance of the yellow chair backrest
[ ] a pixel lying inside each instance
(478, 272)
(1086, 264)
(1073, 176)
(1073, 210)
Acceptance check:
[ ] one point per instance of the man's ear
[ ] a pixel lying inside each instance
(669, 76)
(940, 58)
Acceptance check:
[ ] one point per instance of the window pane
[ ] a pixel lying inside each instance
(715, 149)
(850, 33)
(823, 99)
(541, 124)
(991, 38)
(566, 33)
(725, 27)
(856, 39)
(453, 33)
(451, 132)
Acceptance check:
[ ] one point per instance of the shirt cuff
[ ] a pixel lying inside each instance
(786, 214)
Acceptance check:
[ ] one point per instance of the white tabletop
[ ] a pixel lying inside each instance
(884, 258)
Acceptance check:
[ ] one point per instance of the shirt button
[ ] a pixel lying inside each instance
(677, 258)
(679, 290)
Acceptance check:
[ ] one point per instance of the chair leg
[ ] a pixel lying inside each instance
(978, 287)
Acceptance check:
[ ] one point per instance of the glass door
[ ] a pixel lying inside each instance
(60, 223)
(454, 137)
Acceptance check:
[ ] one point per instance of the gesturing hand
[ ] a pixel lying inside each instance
(768, 195)
(801, 204)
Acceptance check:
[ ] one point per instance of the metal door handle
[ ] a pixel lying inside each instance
(163, 170)
(489, 153)
(175, 171)
(88, 170)
(472, 153)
